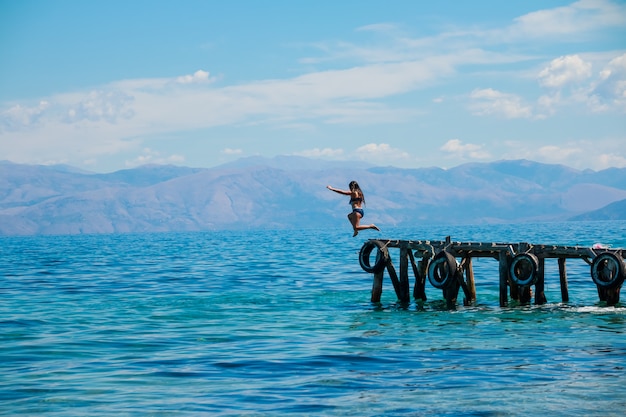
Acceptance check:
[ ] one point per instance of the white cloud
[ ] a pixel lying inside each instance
(595, 153)
(381, 153)
(601, 92)
(548, 102)
(610, 89)
(575, 19)
(101, 105)
(488, 101)
(19, 117)
(377, 27)
(150, 156)
(229, 151)
(556, 154)
(564, 70)
(321, 153)
(605, 160)
(458, 149)
(104, 105)
(197, 77)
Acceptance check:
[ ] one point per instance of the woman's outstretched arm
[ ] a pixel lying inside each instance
(345, 192)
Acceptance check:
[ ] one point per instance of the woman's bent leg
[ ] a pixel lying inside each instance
(354, 221)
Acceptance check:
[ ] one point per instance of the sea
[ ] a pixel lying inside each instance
(280, 322)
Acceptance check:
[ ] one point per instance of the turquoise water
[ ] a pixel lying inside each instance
(280, 323)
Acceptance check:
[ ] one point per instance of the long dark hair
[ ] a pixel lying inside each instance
(354, 186)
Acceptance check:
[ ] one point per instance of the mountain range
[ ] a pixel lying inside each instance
(290, 192)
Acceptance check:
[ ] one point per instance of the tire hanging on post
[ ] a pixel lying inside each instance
(364, 258)
(442, 270)
(524, 269)
(608, 270)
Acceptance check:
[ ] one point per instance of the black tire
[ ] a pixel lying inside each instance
(441, 270)
(364, 258)
(607, 270)
(524, 269)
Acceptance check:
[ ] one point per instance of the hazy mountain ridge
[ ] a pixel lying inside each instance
(260, 193)
(613, 211)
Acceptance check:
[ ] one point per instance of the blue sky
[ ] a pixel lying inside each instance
(111, 85)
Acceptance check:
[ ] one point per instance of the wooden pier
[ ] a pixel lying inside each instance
(448, 266)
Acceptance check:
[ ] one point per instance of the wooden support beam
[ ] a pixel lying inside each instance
(540, 296)
(423, 267)
(394, 279)
(404, 275)
(467, 284)
(514, 290)
(470, 294)
(451, 292)
(419, 289)
(563, 280)
(377, 286)
(614, 296)
(525, 294)
(504, 278)
(609, 295)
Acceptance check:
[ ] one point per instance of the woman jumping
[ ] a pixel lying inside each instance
(357, 201)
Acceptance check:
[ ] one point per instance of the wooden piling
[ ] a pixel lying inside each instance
(451, 291)
(377, 286)
(504, 278)
(563, 280)
(419, 290)
(540, 295)
(404, 274)
(609, 295)
(525, 294)
(469, 273)
(469, 289)
(513, 291)
(614, 297)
